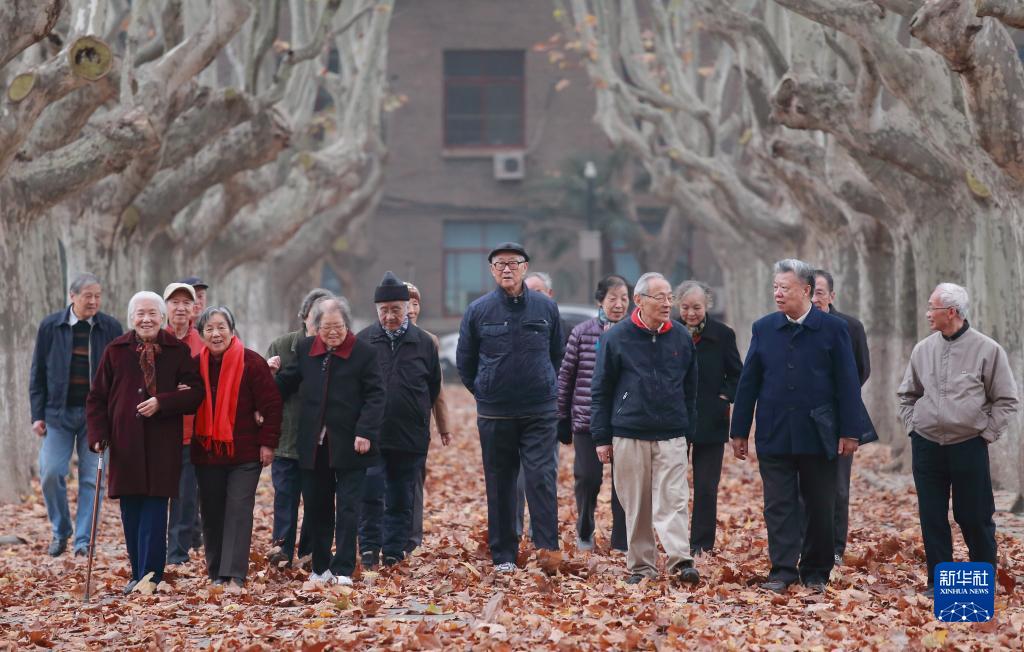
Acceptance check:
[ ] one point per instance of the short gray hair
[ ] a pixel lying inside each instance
(644, 282)
(82, 281)
(544, 278)
(208, 314)
(332, 304)
(311, 298)
(954, 296)
(802, 270)
(141, 296)
(690, 285)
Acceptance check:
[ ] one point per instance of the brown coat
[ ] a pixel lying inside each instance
(441, 402)
(145, 453)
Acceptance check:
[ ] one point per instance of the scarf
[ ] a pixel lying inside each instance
(638, 321)
(215, 423)
(695, 331)
(147, 360)
(395, 335)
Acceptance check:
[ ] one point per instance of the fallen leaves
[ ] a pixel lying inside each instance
(447, 595)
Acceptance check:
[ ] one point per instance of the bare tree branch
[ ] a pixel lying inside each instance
(25, 22)
(1008, 12)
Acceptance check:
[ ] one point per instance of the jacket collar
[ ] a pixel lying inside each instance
(812, 321)
(507, 300)
(639, 322)
(344, 351)
(412, 334)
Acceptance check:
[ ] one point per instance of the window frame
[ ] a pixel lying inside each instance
(482, 251)
(482, 81)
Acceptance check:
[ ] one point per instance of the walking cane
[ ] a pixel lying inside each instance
(95, 523)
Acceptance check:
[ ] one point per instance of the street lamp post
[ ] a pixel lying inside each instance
(590, 174)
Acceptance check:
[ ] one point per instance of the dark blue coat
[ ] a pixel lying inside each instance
(644, 385)
(803, 380)
(51, 361)
(509, 351)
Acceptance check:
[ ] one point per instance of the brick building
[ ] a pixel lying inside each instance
(482, 127)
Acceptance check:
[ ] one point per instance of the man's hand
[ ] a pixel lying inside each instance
(604, 453)
(258, 418)
(739, 447)
(266, 455)
(446, 438)
(362, 445)
(274, 363)
(149, 407)
(39, 427)
(848, 445)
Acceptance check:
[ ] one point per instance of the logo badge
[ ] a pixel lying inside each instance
(965, 592)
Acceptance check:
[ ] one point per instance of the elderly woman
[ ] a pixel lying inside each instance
(574, 378)
(718, 372)
(342, 394)
(135, 409)
(236, 431)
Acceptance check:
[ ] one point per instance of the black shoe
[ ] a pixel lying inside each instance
(81, 552)
(391, 561)
(220, 581)
(278, 557)
(777, 586)
(129, 587)
(688, 574)
(818, 586)
(635, 578)
(370, 561)
(57, 547)
(236, 581)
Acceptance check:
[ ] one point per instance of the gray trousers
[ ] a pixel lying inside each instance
(227, 495)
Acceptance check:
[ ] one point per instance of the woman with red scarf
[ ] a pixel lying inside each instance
(147, 380)
(236, 431)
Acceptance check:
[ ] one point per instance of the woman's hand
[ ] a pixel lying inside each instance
(446, 438)
(98, 447)
(266, 455)
(362, 445)
(149, 407)
(274, 363)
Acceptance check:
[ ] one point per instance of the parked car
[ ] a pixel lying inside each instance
(572, 314)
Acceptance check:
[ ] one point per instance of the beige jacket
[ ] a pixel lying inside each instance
(955, 390)
(441, 402)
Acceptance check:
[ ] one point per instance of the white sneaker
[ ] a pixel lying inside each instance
(506, 567)
(321, 578)
(343, 580)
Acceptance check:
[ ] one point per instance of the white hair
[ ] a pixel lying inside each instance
(140, 296)
(690, 285)
(954, 296)
(802, 270)
(544, 278)
(644, 282)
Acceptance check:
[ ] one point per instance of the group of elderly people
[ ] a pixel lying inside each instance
(326, 406)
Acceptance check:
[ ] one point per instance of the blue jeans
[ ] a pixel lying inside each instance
(63, 436)
(181, 524)
(287, 478)
(144, 519)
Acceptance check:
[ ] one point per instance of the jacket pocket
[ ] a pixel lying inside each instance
(536, 334)
(494, 339)
(828, 433)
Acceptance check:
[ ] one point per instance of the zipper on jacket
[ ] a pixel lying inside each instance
(622, 404)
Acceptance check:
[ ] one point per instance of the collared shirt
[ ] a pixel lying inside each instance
(954, 336)
(802, 317)
(73, 318)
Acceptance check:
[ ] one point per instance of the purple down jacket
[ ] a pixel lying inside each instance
(575, 373)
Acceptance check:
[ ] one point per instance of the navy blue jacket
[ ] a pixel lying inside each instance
(508, 354)
(51, 361)
(644, 385)
(804, 382)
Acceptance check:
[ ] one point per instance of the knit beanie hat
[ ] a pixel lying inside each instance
(390, 289)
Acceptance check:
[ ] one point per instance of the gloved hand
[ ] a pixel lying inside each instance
(565, 431)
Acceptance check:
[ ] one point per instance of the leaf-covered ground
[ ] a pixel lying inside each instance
(448, 595)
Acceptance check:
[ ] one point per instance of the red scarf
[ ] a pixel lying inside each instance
(215, 426)
(343, 351)
(638, 321)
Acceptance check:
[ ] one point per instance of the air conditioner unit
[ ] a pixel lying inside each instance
(510, 166)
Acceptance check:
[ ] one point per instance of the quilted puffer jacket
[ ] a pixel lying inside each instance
(575, 374)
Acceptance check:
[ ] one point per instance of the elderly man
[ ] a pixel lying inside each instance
(68, 349)
(957, 397)
(801, 376)
(285, 472)
(147, 380)
(823, 298)
(510, 343)
(643, 406)
(181, 527)
(412, 371)
(201, 288)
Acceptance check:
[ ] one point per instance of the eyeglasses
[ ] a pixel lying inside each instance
(332, 329)
(930, 308)
(513, 265)
(660, 298)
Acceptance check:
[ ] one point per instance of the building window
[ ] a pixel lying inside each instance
(484, 98)
(466, 274)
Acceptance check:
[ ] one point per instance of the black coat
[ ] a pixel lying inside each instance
(859, 341)
(351, 403)
(412, 373)
(718, 372)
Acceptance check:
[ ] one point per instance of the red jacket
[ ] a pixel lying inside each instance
(258, 393)
(145, 452)
(195, 345)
